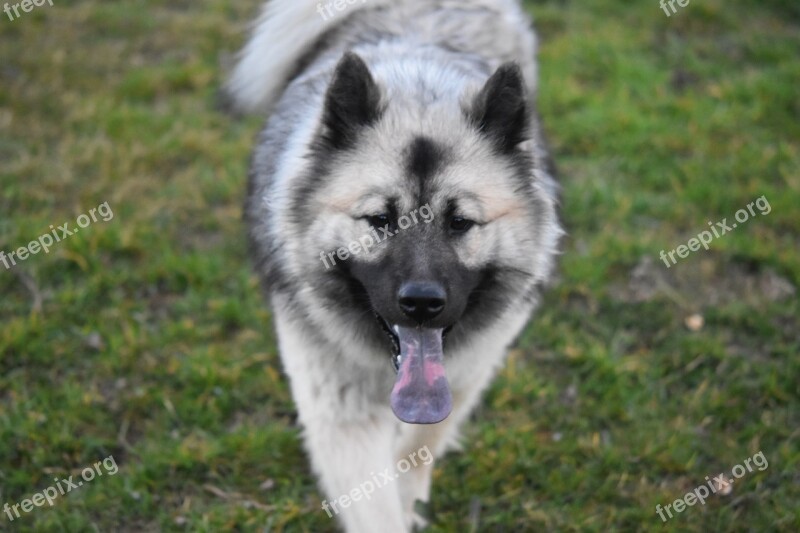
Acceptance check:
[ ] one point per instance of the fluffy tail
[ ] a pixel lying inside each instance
(282, 34)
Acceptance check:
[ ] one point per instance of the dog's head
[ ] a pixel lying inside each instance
(424, 216)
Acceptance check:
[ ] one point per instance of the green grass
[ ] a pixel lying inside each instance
(608, 406)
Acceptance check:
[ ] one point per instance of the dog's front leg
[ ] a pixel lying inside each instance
(350, 436)
(354, 463)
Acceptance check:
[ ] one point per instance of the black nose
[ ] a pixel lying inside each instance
(422, 300)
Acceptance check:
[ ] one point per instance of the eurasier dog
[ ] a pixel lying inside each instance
(402, 217)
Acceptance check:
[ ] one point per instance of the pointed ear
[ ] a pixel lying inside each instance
(351, 103)
(500, 109)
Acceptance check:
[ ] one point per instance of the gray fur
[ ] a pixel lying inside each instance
(420, 136)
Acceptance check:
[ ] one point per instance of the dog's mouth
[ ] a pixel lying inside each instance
(421, 393)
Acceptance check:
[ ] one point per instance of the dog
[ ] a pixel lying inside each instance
(378, 110)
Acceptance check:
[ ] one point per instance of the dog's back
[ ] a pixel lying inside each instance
(290, 34)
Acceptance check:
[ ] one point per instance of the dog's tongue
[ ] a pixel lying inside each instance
(421, 394)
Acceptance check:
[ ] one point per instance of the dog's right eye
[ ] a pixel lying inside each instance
(378, 221)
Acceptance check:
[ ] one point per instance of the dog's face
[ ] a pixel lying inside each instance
(424, 221)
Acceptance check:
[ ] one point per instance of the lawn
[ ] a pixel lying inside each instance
(143, 338)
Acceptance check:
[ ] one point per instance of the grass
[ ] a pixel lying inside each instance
(145, 338)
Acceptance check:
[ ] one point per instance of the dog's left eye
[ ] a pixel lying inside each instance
(460, 224)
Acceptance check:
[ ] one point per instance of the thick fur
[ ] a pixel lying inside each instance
(389, 106)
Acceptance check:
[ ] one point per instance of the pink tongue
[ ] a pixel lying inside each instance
(421, 394)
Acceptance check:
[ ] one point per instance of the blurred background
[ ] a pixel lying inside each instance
(144, 336)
